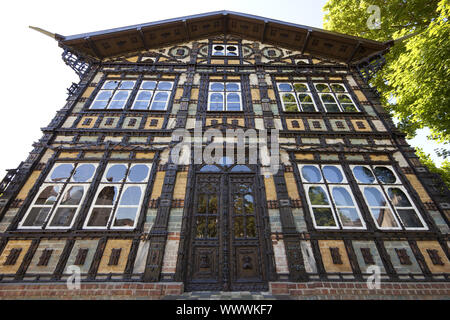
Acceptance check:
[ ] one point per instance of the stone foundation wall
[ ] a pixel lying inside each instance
(91, 291)
(359, 290)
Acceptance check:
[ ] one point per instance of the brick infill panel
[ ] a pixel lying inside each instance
(122, 290)
(360, 291)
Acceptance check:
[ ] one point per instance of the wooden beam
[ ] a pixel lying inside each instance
(264, 31)
(225, 24)
(355, 50)
(186, 26)
(305, 44)
(141, 35)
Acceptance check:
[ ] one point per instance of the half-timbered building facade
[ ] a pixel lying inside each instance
(101, 193)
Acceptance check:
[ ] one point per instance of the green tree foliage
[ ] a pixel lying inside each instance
(417, 72)
(443, 170)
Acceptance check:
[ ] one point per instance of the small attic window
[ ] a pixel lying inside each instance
(225, 50)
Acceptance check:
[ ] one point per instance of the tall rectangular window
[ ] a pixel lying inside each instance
(119, 196)
(225, 50)
(296, 97)
(60, 197)
(387, 199)
(224, 96)
(113, 95)
(153, 95)
(330, 199)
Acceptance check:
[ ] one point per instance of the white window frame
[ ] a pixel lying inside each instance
(121, 185)
(323, 183)
(335, 95)
(295, 94)
(64, 187)
(225, 50)
(383, 188)
(114, 93)
(153, 92)
(225, 96)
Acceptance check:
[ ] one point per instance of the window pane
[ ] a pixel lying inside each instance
(148, 85)
(311, 174)
(219, 48)
(201, 224)
(238, 205)
(216, 97)
(240, 168)
(117, 104)
(324, 217)
(212, 205)
(201, 203)
(125, 217)
(61, 172)
(332, 107)
(288, 98)
(232, 87)
(291, 107)
(161, 96)
(121, 95)
(308, 107)
(63, 217)
(99, 104)
(131, 196)
(116, 173)
(83, 173)
(322, 87)
(343, 98)
(338, 88)
(138, 173)
(107, 196)
(239, 227)
(374, 197)
(144, 95)
(158, 105)
(48, 195)
(318, 196)
(210, 168)
(233, 97)
(349, 107)
(111, 84)
(104, 95)
(126, 85)
(212, 227)
(251, 227)
(233, 106)
(398, 197)
(217, 86)
(342, 197)
(385, 175)
(73, 196)
(363, 174)
(328, 98)
(332, 174)
(284, 87)
(140, 105)
(99, 217)
(36, 217)
(248, 204)
(165, 85)
(300, 87)
(305, 98)
(384, 218)
(409, 218)
(349, 217)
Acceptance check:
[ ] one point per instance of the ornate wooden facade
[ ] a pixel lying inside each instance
(100, 191)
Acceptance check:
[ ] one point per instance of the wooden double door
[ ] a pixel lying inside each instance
(226, 249)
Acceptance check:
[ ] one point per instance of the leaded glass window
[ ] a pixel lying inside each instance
(296, 97)
(153, 95)
(119, 196)
(335, 97)
(329, 197)
(387, 199)
(114, 94)
(224, 96)
(59, 198)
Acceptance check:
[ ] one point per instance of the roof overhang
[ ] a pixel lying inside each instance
(308, 40)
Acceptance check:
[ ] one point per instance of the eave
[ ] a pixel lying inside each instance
(308, 40)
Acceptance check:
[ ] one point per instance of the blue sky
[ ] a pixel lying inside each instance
(35, 78)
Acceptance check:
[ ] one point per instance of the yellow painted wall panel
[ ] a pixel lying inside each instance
(87, 93)
(179, 93)
(158, 184)
(271, 194)
(291, 185)
(125, 245)
(179, 191)
(304, 156)
(375, 157)
(434, 245)
(13, 244)
(28, 185)
(194, 94)
(418, 187)
(145, 155)
(325, 246)
(255, 94)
